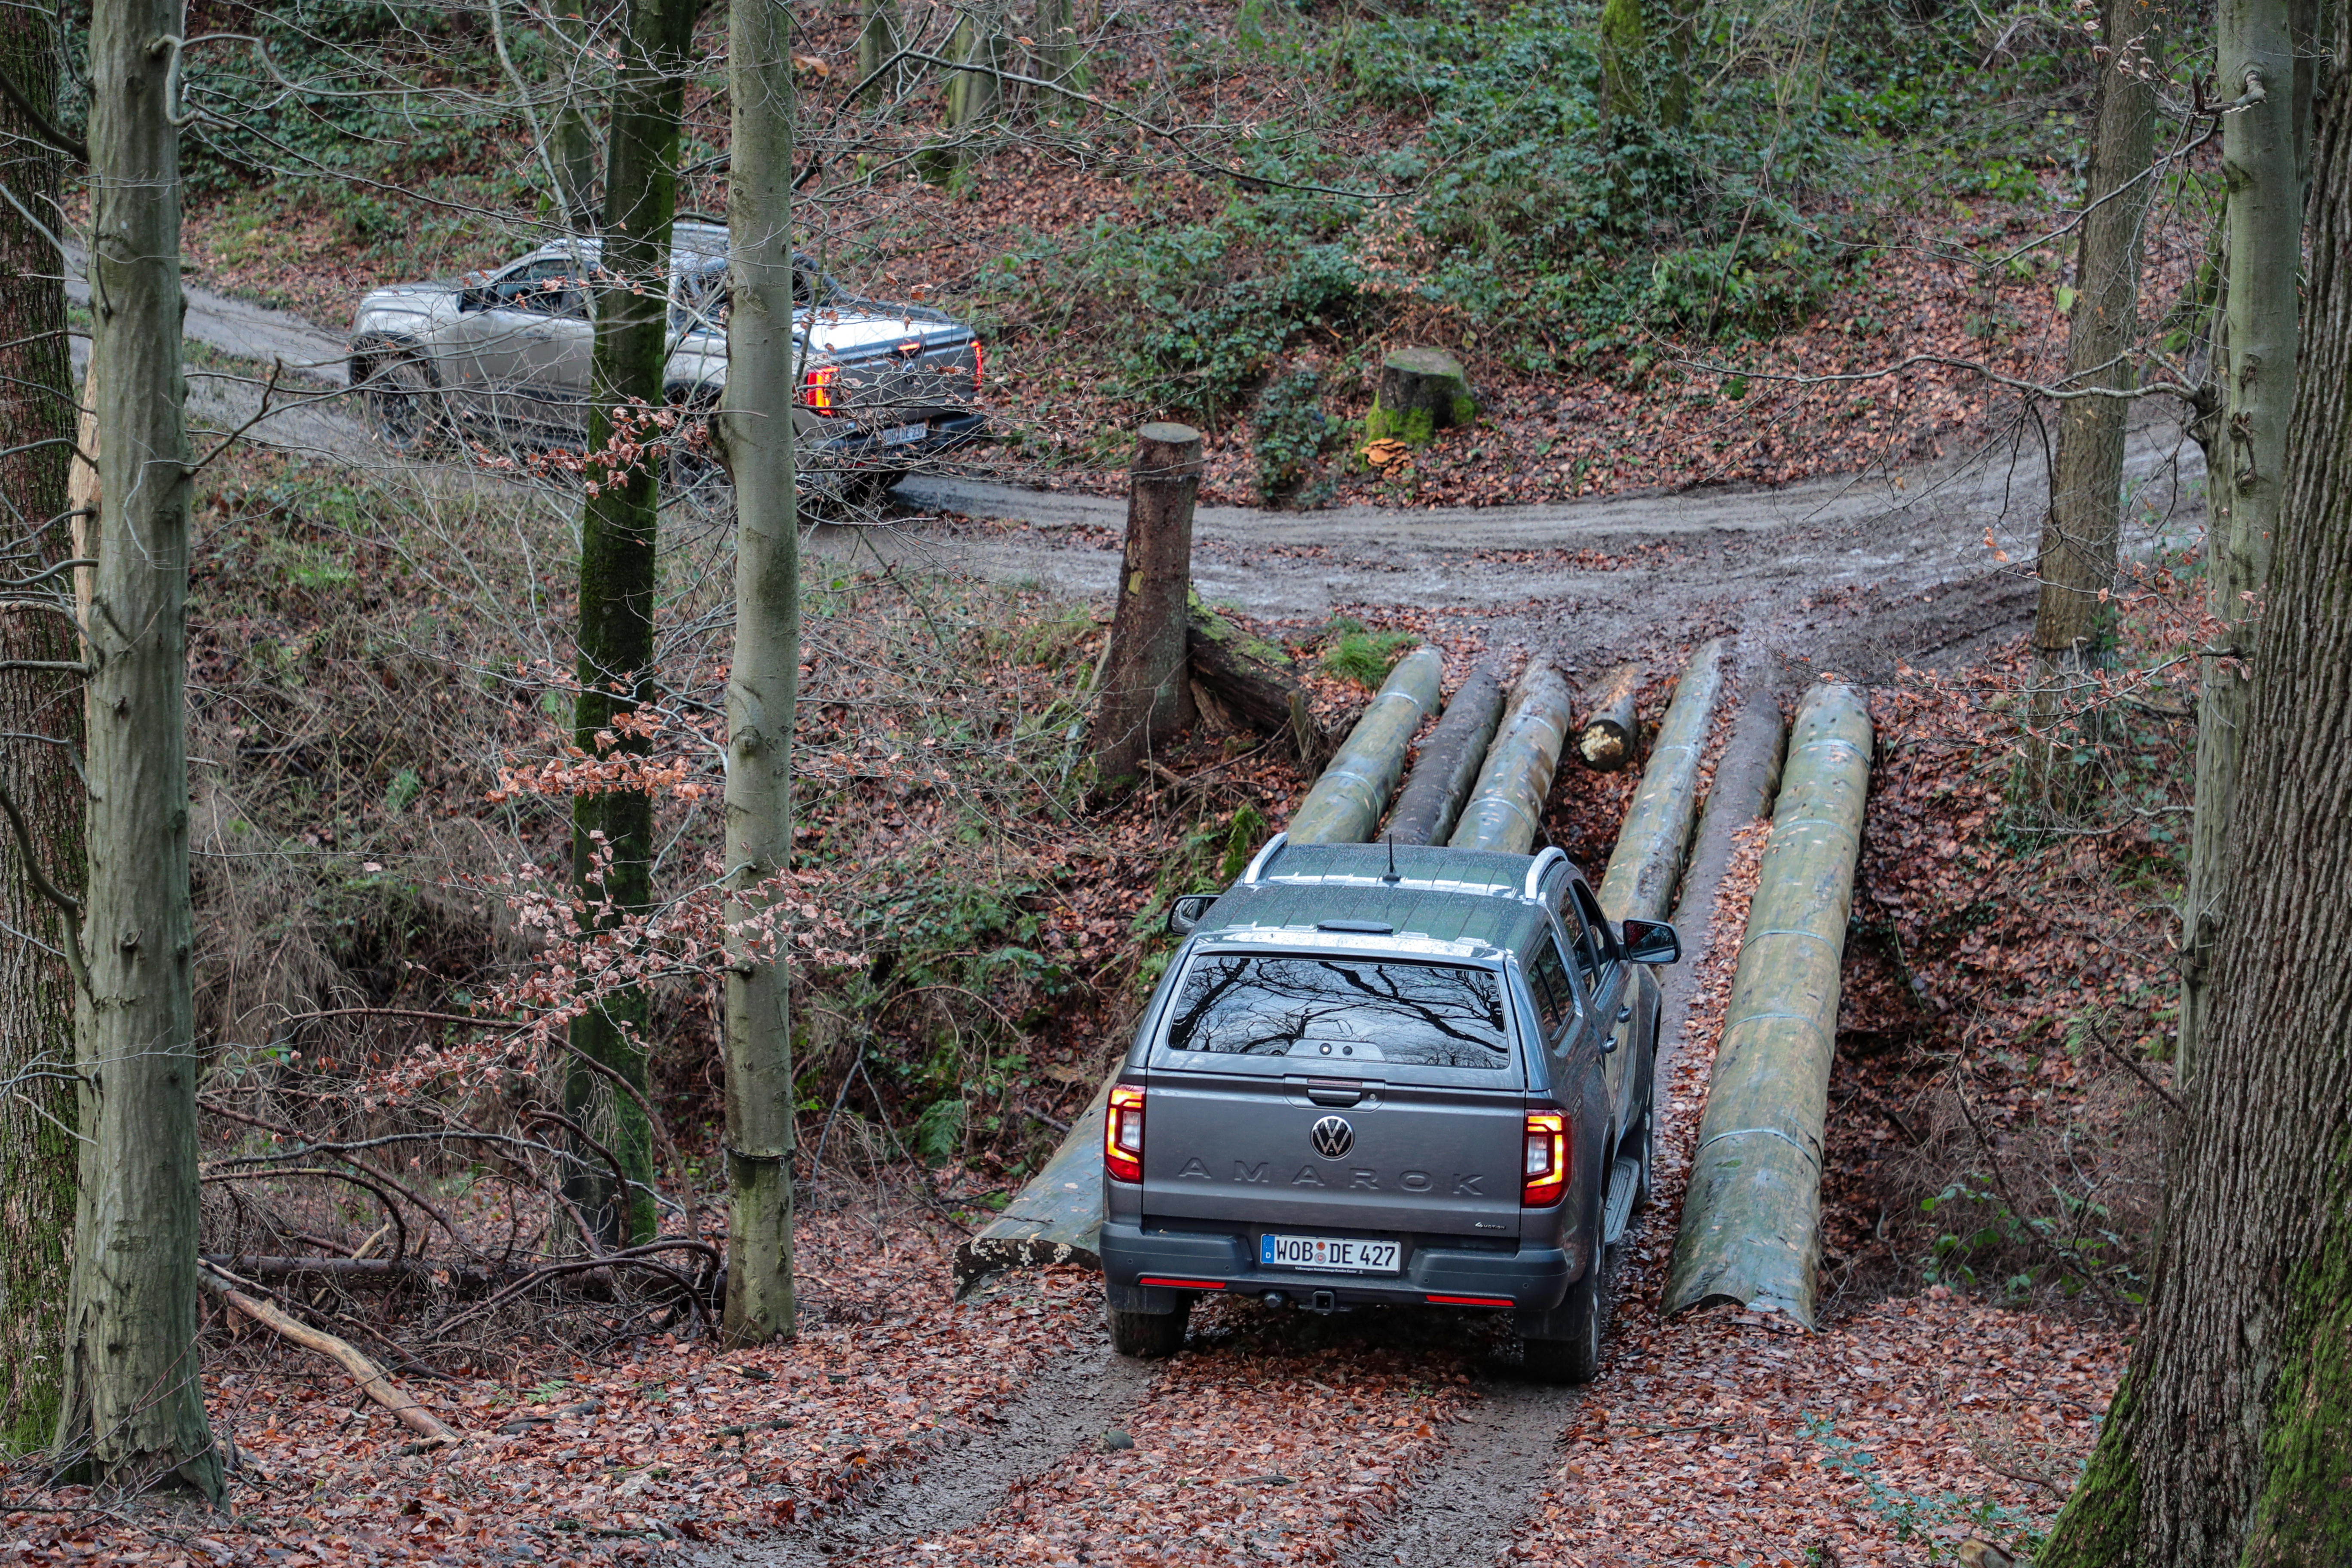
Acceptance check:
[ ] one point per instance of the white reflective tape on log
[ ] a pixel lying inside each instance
(1811, 1154)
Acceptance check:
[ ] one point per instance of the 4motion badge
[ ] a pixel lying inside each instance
(1332, 1137)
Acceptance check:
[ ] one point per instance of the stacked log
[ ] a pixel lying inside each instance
(1449, 763)
(1639, 883)
(1751, 1223)
(1347, 801)
(1504, 810)
(1611, 735)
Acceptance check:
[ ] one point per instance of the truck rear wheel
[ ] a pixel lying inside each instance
(1149, 1335)
(1566, 1347)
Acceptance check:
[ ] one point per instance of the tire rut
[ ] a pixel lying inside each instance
(1069, 1404)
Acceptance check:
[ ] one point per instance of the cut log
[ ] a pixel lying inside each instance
(1504, 810)
(1751, 1223)
(1611, 735)
(1252, 682)
(1056, 1218)
(371, 1378)
(1347, 801)
(1449, 763)
(1640, 884)
(1422, 391)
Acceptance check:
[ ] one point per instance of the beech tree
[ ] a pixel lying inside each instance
(2264, 135)
(764, 680)
(2229, 1442)
(40, 736)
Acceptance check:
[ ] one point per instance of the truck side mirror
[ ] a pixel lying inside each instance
(1652, 941)
(1184, 911)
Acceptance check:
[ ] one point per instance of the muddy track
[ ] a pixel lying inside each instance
(1069, 1406)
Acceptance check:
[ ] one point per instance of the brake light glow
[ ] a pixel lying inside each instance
(820, 389)
(1123, 1135)
(977, 357)
(1546, 1170)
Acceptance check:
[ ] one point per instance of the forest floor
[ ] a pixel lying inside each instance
(904, 1428)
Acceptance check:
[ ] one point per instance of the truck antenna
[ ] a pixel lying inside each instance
(1392, 877)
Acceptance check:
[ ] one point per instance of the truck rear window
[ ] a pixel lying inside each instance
(1341, 1011)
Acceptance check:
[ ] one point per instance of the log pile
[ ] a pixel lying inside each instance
(1639, 883)
(1751, 1223)
(1347, 799)
(1449, 763)
(1504, 810)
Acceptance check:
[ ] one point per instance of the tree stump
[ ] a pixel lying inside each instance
(1422, 391)
(1146, 697)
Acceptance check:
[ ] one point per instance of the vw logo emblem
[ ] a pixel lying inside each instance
(1332, 1137)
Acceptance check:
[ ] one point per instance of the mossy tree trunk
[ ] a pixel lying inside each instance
(132, 1411)
(2254, 43)
(40, 737)
(612, 833)
(1146, 699)
(877, 42)
(763, 681)
(2232, 1444)
(2077, 564)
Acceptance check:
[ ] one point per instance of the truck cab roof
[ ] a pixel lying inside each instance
(1437, 903)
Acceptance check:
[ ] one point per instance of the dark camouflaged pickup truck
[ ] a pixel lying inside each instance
(1418, 1075)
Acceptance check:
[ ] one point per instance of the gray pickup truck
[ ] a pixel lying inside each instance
(505, 354)
(1417, 1076)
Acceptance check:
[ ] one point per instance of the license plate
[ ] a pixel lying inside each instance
(900, 435)
(1339, 1254)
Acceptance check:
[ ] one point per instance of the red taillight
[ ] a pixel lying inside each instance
(820, 389)
(976, 359)
(1182, 1284)
(1123, 1135)
(1544, 1171)
(1471, 1301)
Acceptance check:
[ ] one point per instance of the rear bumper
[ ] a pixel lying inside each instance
(1147, 1267)
(857, 449)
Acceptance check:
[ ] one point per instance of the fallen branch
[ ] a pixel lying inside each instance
(371, 1378)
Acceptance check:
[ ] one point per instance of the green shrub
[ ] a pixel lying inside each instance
(1289, 430)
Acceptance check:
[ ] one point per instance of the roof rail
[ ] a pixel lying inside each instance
(1553, 854)
(1264, 858)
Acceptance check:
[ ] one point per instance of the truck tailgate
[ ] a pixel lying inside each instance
(1287, 1153)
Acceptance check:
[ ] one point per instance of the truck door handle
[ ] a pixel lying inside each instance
(1335, 1096)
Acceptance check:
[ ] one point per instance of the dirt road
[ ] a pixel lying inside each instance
(1853, 573)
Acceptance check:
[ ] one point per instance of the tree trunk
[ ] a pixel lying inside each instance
(1146, 699)
(2077, 564)
(2259, 159)
(571, 140)
(973, 95)
(2230, 1443)
(1056, 44)
(37, 994)
(134, 1411)
(763, 684)
(877, 41)
(612, 833)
